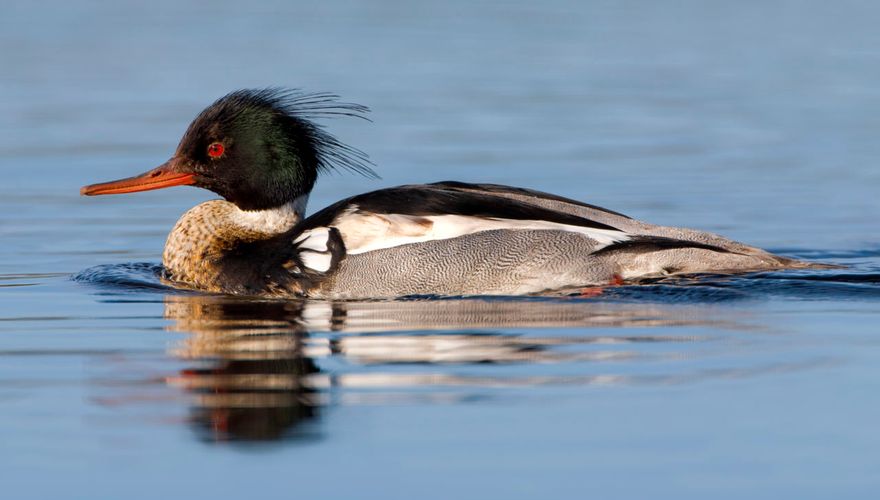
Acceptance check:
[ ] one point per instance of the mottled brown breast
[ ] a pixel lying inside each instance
(209, 250)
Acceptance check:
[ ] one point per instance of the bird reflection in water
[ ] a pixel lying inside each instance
(258, 375)
(254, 380)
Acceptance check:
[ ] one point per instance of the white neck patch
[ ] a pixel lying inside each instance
(273, 220)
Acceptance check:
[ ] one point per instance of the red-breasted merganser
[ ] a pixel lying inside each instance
(260, 151)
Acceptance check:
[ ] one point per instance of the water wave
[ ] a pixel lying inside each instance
(129, 276)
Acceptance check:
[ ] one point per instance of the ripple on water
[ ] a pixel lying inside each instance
(132, 276)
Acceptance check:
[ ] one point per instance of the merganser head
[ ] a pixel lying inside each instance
(255, 148)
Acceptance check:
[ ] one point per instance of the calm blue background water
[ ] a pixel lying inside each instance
(758, 120)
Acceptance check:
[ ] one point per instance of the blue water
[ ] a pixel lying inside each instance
(757, 120)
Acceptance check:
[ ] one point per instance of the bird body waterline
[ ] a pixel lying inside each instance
(259, 150)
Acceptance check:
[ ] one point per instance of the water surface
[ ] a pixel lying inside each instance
(757, 120)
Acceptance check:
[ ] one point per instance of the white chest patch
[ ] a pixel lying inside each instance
(272, 220)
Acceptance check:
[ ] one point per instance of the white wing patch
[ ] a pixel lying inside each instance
(313, 249)
(317, 261)
(367, 232)
(362, 232)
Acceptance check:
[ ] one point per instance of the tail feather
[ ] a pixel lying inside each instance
(648, 255)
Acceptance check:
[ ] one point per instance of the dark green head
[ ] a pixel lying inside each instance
(255, 148)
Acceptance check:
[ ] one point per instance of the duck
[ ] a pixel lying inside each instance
(262, 150)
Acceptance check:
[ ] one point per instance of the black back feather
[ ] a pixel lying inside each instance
(437, 199)
(645, 243)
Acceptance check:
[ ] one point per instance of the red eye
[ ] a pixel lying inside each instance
(215, 150)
